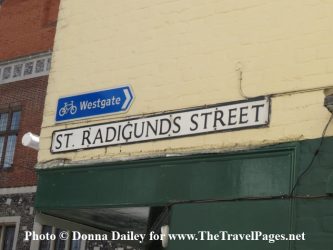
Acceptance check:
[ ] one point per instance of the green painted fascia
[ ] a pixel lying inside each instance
(257, 173)
(161, 181)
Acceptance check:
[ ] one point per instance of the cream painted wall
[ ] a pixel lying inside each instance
(185, 53)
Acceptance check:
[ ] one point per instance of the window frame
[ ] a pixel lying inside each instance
(9, 132)
(9, 221)
(4, 229)
(52, 244)
(47, 220)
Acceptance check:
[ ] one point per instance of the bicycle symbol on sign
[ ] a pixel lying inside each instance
(68, 108)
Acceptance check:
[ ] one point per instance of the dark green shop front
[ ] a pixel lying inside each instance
(236, 192)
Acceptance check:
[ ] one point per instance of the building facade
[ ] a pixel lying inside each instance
(220, 123)
(27, 31)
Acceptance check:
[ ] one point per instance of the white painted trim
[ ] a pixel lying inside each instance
(10, 220)
(37, 228)
(2, 232)
(18, 190)
(22, 63)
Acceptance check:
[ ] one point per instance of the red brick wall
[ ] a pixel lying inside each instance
(30, 95)
(27, 27)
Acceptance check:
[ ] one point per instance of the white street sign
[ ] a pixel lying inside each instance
(216, 118)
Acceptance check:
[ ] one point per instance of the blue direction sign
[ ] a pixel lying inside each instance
(93, 104)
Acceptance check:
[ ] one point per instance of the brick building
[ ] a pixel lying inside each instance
(27, 30)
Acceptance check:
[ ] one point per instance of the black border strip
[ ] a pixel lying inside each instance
(169, 113)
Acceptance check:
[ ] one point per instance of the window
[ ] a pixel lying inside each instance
(9, 125)
(45, 244)
(7, 235)
(58, 244)
(9, 232)
(75, 244)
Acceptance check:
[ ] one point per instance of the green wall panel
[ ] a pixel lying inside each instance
(315, 218)
(236, 217)
(317, 180)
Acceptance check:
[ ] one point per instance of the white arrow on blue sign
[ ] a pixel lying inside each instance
(110, 101)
